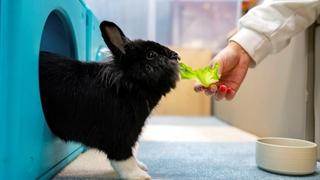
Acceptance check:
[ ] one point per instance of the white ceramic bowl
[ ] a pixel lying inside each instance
(286, 156)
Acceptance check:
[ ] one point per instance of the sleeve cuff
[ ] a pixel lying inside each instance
(256, 45)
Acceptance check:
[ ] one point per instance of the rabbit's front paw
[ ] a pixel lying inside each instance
(129, 169)
(135, 174)
(142, 165)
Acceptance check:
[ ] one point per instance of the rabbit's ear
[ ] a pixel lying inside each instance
(113, 37)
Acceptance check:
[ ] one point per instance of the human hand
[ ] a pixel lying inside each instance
(234, 63)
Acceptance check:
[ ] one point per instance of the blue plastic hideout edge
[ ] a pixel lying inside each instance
(28, 150)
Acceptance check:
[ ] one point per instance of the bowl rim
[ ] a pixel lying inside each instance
(309, 143)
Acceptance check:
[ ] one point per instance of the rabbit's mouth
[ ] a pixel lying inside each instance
(175, 57)
(174, 60)
(178, 58)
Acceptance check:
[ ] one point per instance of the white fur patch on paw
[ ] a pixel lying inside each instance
(142, 165)
(129, 169)
(137, 174)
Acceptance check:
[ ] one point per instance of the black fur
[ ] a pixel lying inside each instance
(105, 105)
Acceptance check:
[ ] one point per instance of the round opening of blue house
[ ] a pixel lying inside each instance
(57, 36)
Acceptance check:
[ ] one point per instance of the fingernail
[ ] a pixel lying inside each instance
(222, 88)
(229, 91)
(198, 88)
(208, 92)
(213, 91)
(213, 88)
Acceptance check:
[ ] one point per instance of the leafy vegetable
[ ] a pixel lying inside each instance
(206, 76)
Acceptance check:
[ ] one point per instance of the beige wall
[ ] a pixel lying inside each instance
(272, 100)
(183, 100)
(317, 88)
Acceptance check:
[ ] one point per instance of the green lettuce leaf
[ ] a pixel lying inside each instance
(206, 76)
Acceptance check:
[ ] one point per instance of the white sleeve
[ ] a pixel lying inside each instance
(268, 27)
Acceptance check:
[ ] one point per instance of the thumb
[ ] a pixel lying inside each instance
(218, 60)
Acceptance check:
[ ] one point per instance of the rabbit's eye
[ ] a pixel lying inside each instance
(151, 55)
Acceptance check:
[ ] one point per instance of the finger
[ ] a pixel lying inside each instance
(216, 60)
(213, 88)
(220, 94)
(219, 58)
(198, 88)
(207, 92)
(230, 94)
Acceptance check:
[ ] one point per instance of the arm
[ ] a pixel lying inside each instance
(269, 27)
(265, 29)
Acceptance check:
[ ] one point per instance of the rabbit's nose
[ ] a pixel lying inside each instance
(175, 56)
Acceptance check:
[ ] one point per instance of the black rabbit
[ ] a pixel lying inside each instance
(105, 105)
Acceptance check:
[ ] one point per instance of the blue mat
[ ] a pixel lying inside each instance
(199, 160)
(188, 160)
(204, 160)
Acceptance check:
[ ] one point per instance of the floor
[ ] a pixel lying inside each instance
(185, 148)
